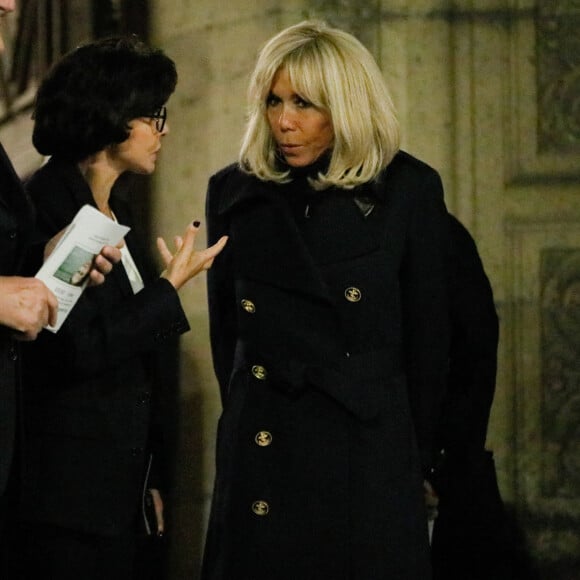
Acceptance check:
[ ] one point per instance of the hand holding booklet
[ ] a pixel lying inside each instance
(66, 270)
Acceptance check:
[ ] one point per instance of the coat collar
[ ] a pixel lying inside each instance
(239, 191)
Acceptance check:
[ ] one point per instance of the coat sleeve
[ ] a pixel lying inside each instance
(221, 291)
(426, 310)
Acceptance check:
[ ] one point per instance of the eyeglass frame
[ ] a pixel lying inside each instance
(160, 117)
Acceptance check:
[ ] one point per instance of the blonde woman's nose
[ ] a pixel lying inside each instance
(286, 119)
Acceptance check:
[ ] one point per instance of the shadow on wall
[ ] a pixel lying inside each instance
(518, 558)
(522, 564)
(187, 508)
(553, 540)
(187, 513)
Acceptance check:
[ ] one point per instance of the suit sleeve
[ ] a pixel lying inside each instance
(109, 324)
(95, 339)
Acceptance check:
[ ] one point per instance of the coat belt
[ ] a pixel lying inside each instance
(356, 381)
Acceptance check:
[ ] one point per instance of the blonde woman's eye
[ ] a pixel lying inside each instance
(303, 103)
(272, 101)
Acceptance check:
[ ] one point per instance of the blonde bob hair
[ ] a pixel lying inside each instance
(332, 70)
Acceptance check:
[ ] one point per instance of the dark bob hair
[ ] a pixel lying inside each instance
(89, 96)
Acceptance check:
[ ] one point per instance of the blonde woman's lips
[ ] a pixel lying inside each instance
(288, 148)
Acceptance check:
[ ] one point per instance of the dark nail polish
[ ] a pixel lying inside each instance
(196, 223)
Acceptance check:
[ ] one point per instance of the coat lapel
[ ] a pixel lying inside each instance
(268, 245)
(272, 249)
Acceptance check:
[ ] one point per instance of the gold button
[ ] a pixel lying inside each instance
(259, 372)
(352, 294)
(263, 438)
(248, 306)
(260, 508)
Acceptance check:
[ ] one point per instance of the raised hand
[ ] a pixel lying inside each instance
(186, 262)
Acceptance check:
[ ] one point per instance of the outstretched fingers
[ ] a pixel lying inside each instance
(186, 262)
(164, 252)
(210, 253)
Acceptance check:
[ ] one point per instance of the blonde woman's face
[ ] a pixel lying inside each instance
(302, 131)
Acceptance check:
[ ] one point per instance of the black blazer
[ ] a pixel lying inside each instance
(88, 389)
(15, 229)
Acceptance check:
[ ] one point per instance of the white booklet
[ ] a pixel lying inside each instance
(66, 270)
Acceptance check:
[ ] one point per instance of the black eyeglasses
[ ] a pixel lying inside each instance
(160, 117)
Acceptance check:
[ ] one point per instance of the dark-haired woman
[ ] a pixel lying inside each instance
(91, 388)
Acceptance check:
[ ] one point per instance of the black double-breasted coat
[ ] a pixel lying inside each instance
(89, 389)
(329, 331)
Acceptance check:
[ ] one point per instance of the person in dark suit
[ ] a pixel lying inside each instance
(471, 538)
(91, 390)
(26, 307)
(329, 325)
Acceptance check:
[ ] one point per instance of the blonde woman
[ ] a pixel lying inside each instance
(328, 312)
